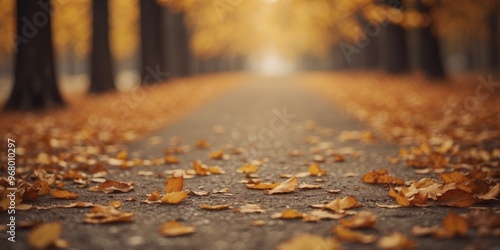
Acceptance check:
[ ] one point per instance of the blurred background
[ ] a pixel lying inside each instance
(101, 45)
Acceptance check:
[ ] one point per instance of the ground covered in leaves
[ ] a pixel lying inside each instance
(267, 165)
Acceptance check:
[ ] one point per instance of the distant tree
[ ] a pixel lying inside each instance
(428, 50)
(395, 54)
(35, 83)
(101, 69)
(151, 41)
(178, 45)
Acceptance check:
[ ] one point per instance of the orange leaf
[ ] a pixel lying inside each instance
(288, 214)
(174, 183)
(339, 205)
(360, 220)
(286, 187)
(345, 234)
(401, 199)
(44, 235)
(381, 176)
(174, 197)
(215, 207)
(248, 169)
(453, 224)
(63, 194)
(175, 228)
(110, 186)
(456, 198)
(315, 170)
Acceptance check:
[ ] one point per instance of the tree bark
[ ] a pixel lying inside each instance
(35, 83)
(428, 50)
(395, 54)
(178, 45)
(101, 68)
(151, 42)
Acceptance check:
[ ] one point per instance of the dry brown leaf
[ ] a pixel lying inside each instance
(174, 183)
(395, 241)
(491, 194)
(456, 198)
(258, 223)
(424, 231)
(44, 235)
(248, 169)
(345, 234)
(453, 177)
(215, 170)
(202, 144)
(175, 228)
(63, 194)
(315, 170)
(453, 225)
(388, 205)
(288, 214)
(401, 199)
(317, 215)
(214, 207)
(338, 158)
(174, 197)
(107, 214)
(341, 204)
(286, 187)
(217, 155)
(199, 193)
(362, 219)
(200, 168)
(250, 208)
(381, 176)
(309, 186)
(309, 241)
(170, 159)
(110, 186)
(333, 191)
(263, 186)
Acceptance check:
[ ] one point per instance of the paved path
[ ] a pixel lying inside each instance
(249, 114)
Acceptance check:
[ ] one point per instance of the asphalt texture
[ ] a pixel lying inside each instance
(249, 117)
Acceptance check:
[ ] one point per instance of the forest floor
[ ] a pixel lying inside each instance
(321, 160)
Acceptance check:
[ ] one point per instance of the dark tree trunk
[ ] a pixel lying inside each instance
(151, 42)
(428, 50)
(493, 43)
(101, 69)
(35, 83)
(395, 54)
(178, 45)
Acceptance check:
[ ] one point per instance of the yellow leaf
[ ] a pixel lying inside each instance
(44, 235)
(401, 199)
(286, 187)
(395, 241)
(248, 169)
(288, 214)
(345, 234)
(174, 183)
(175, 228)
(360, 220)
(315, 170)
(63, 194)
(339, 205)
(174, 197)
(309, 241)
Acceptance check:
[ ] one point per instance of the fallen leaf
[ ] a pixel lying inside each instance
(309, 241)
(317, 215)
(345, 234)
(200, 168)
(217, 155)
(388, 205)
(315, 170)
(288, 214)
(381, 176)
(395, 241)
(247, 169)
(110, 186)
(202, 144)
(175, 228)
(63, 194)
(250, 208)
(170, 159)
(453, 225)
(286, 187)
(341, 204)
(199, 193)
(258, 223)
(333, 191)
(44, 235)
(263, 186)
(107, 214)
(78, 204)
(174, 197)
(309, 186)
(491, 194)
(214, 207)
(456, 198)
(401, 199)
(453, 177)
(360, 220)
(424, 231)
(174, 183)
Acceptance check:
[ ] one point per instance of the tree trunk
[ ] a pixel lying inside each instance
(178, 45)
(101, 69)
(395, 54)
(429, 52)
(35, 83)
(151, 43)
